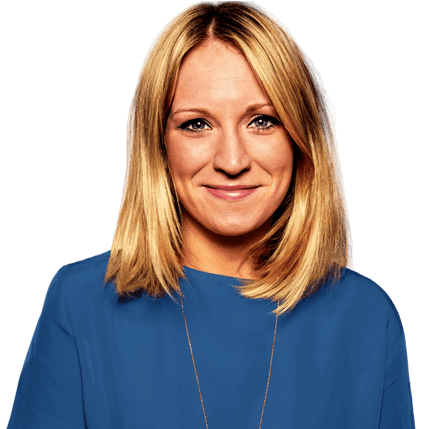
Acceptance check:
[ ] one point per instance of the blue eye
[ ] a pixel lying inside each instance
(260, 122)
(264, 122)
(195, 125)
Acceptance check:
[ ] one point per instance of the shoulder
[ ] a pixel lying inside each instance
(85, 273)
(363, 292)
(355, 302)
(356, 290)
(80, 286)
(78, 299)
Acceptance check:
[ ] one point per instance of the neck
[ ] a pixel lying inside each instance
(207, 251)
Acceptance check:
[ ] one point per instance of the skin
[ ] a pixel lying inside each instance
(217, 136)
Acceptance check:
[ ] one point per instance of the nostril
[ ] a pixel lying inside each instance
(232, 159)
(233, 170)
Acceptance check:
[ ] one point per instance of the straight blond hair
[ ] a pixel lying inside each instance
(308, 241)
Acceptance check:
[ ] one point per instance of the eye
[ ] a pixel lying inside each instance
(195, 125)
(263, 122)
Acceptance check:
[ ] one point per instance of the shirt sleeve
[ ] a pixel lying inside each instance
(396, 407)
(49, 393)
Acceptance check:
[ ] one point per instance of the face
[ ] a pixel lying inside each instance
(230, 157)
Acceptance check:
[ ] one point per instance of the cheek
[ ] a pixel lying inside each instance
(186, 156)
(277, 159)
(176, 157)
(175, 161)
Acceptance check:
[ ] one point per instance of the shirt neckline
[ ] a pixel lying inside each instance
(206, 273)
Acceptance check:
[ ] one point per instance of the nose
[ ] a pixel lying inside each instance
(231, 156)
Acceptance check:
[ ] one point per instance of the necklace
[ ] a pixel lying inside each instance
(197, 378)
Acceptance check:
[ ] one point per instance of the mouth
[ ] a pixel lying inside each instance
(232, 188)
(231, 193)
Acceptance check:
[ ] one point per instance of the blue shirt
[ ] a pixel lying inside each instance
(99, 362)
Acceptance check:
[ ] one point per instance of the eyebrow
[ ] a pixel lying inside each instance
(251, 108)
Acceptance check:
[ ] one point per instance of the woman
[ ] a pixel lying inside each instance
(225, 301)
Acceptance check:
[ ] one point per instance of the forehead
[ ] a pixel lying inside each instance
(216, 72)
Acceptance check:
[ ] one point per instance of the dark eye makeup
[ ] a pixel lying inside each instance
(260, 122)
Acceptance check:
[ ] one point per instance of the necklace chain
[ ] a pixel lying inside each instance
(197, 378)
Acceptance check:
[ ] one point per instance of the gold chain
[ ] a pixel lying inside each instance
(197, 378)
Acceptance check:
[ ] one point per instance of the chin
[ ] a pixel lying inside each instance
(239, 229)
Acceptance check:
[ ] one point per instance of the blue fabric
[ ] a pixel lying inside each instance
(98, 362)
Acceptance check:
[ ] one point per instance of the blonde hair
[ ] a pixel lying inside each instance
(308, 241)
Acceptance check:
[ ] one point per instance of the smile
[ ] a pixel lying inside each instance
(231, 193)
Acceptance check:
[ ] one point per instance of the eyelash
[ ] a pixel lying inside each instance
(273, 122)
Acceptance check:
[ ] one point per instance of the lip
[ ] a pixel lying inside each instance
(231, 187)
(231, 193)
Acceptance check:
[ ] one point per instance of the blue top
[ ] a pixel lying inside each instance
(101, 363)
